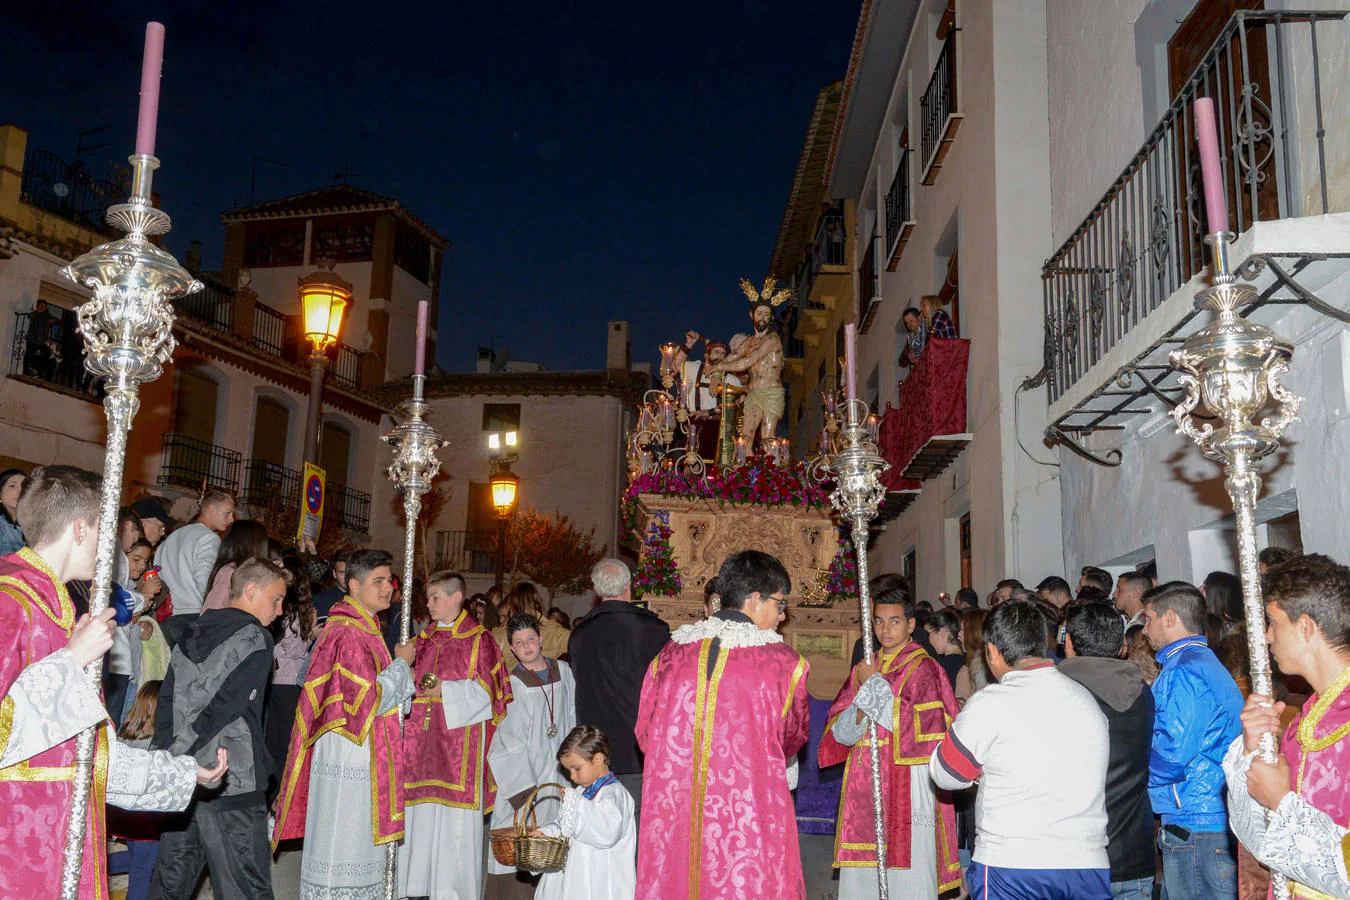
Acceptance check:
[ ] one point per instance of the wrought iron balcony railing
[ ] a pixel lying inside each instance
(347, 508)
(272, 331)
(899, 211)
(346, 367)
(47, 348)
(192, 464)
(466, 551)
(1145, 238)
(212, 306)
(938, 111)
(868, 297)
(831, 242)
(276, 488)
(68, 190)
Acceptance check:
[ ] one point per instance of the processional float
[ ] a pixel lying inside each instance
(128, 336)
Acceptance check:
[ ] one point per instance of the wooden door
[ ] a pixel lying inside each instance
(1245, 163)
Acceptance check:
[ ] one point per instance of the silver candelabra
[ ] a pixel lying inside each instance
(1234, 366)
(128, 336)
(856, 467)
(414, 442)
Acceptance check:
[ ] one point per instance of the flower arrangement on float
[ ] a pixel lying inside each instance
(760, 481)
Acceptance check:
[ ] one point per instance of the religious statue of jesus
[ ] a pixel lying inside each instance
(761, 358)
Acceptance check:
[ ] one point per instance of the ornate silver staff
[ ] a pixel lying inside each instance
(858, 491)
(1234, 366)
(415, 464)
(128, 336)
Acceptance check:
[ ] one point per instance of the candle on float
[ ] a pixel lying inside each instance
(1207, 138)
(851, 361)
(152, 63)
(419, 366)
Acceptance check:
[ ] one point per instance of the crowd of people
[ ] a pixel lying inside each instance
(1079, 742)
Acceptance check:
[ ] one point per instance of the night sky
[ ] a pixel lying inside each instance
(589, 161)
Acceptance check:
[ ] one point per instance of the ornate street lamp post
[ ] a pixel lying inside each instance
(504, 483)
(324, 298)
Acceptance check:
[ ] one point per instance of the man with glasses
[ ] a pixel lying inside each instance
(724, 711)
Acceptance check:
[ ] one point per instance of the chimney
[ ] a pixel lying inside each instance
(618, 354)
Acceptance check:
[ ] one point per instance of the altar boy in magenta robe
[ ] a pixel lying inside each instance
(724, 711)
(1293, 816)
(462, 693)
(907, 694)
(48, 702)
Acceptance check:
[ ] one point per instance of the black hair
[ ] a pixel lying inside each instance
(1269, 557)
(1223, 595)
(1055, 585)
(1317, 587)
(1011, 583)
(949, 621)
(910, 311)
(750, 572)
(520, 622)
(1090, 593)
(362, 562)
(1018, 629)
(585, 741)
(1150, 570)
(968, 597)
(1138, 580)
(1096, 629)
(1183, 599)
(891, 589)
(1098, 578)
(709, 589)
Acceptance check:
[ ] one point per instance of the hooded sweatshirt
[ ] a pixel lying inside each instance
(213, 696)
(1127, 703)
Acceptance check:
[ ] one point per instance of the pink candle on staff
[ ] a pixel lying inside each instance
(1207, 137)
(851, 360)
(151, 66)
(419, 367)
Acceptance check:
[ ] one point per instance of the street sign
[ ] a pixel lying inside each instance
(311, 503)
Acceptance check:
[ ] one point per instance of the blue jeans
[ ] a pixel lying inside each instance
(992, 883)
(1201, 868)
(1137, 889)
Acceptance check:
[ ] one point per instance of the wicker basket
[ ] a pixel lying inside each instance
(514, 846)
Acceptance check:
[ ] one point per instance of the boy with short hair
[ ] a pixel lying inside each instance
(213, 697)
(1292, 816)
(906, 693)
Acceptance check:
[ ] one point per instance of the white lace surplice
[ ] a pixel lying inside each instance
(1300, 841)
(341, 861)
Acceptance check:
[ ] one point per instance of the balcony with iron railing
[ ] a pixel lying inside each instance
(467, 552)
(899, 211)
(869, 296)
(1118, 295)
(212, 306)
(195, 464)
(69, 191)
(926, 431)
(939, 110)
(276, 489)
(47, 350)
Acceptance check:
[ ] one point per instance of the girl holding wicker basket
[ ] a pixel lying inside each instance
(597, 818)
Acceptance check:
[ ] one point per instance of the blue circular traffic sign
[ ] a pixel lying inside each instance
(314, 494)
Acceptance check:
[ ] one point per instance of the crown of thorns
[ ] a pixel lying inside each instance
(767, 297)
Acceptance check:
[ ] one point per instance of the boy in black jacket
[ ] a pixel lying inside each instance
(213, 696)
(1096, 637)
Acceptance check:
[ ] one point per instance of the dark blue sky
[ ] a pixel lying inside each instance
(589, 161)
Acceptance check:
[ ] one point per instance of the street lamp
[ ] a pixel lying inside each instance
(324, 298)
(503, 483)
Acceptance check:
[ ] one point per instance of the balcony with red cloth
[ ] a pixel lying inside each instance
(927, 432)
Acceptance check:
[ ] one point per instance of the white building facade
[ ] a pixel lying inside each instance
(1118, 292)
(943, 146)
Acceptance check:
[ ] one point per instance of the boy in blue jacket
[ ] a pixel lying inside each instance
(1197, 705)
